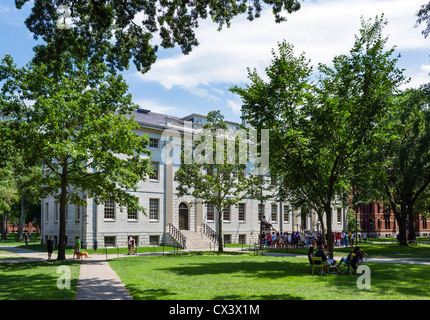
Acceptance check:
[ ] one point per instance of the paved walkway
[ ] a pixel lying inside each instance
(98, 281)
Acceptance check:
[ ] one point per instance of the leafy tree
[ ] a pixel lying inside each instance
(8, 195)
(79, 128)
(423, 15)
(120, 30)
(400, 159)
(215, 176)
(317, 128)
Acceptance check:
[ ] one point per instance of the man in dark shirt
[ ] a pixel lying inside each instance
(321, 253)
(50, 246)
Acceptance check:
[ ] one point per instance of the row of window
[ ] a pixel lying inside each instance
(226, 215)
(77, 211)
(111, 241)
(154, 212)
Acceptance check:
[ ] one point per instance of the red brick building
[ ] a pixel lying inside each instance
(377, 224)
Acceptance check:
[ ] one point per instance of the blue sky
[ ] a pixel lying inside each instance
(198, 82)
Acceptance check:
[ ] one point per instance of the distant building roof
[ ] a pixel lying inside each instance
(147, 117)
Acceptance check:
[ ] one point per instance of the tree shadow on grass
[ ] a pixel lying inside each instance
(34, 281)
(387, 281)
(150, 294)
(263, 269)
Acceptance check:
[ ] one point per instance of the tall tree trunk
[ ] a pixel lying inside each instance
(4, 226)
(401, 218)
(411, 223)
(63, 203)
(220, 240)
(328, 212)
(22, 219)
(320, 214)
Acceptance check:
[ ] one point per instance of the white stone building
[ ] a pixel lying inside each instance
(110, 225)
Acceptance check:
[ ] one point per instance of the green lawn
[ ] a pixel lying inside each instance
(209, 277)
(419, 252)
(101, 251)
(37, 280)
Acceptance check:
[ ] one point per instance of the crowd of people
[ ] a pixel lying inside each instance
(274, 239)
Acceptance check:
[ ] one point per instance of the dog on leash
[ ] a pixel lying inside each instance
(79, 255)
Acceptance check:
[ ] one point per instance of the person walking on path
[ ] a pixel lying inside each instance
(50, 247)
(77, 247)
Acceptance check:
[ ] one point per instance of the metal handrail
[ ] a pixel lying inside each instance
(178, 235)
(210, 233)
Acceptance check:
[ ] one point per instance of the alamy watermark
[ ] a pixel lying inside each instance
(65, 274)
(363, 281)
(220, 146)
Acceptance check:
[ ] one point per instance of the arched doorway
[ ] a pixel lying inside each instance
(183, 216)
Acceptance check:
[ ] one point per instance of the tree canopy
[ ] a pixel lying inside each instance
(79, 128)
(118, 31)
(317, 128)
(216, 176)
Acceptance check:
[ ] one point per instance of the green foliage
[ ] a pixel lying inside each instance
(399, 166)
(78, 126)
(118, 31)
(215, 178)
(318, 128)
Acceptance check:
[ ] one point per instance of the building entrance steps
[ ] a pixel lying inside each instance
(198, 241)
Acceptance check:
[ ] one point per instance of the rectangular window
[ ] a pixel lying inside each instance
(286, 213)
(154, 240)
(57, 211)
(154, 175)
(226, 214)
(210, 212)
(227, 238)
(109, 211)
(78, 213)
(132, 214)
(339, 215)
(260, 211)
(242, 213)
(274, 213)
(154, 209)
(47, 211)
(153, 143)
(242, 238)
(110, 241)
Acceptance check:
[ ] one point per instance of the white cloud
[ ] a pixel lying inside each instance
(235, 106)
(418, 77)
(321, 29)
